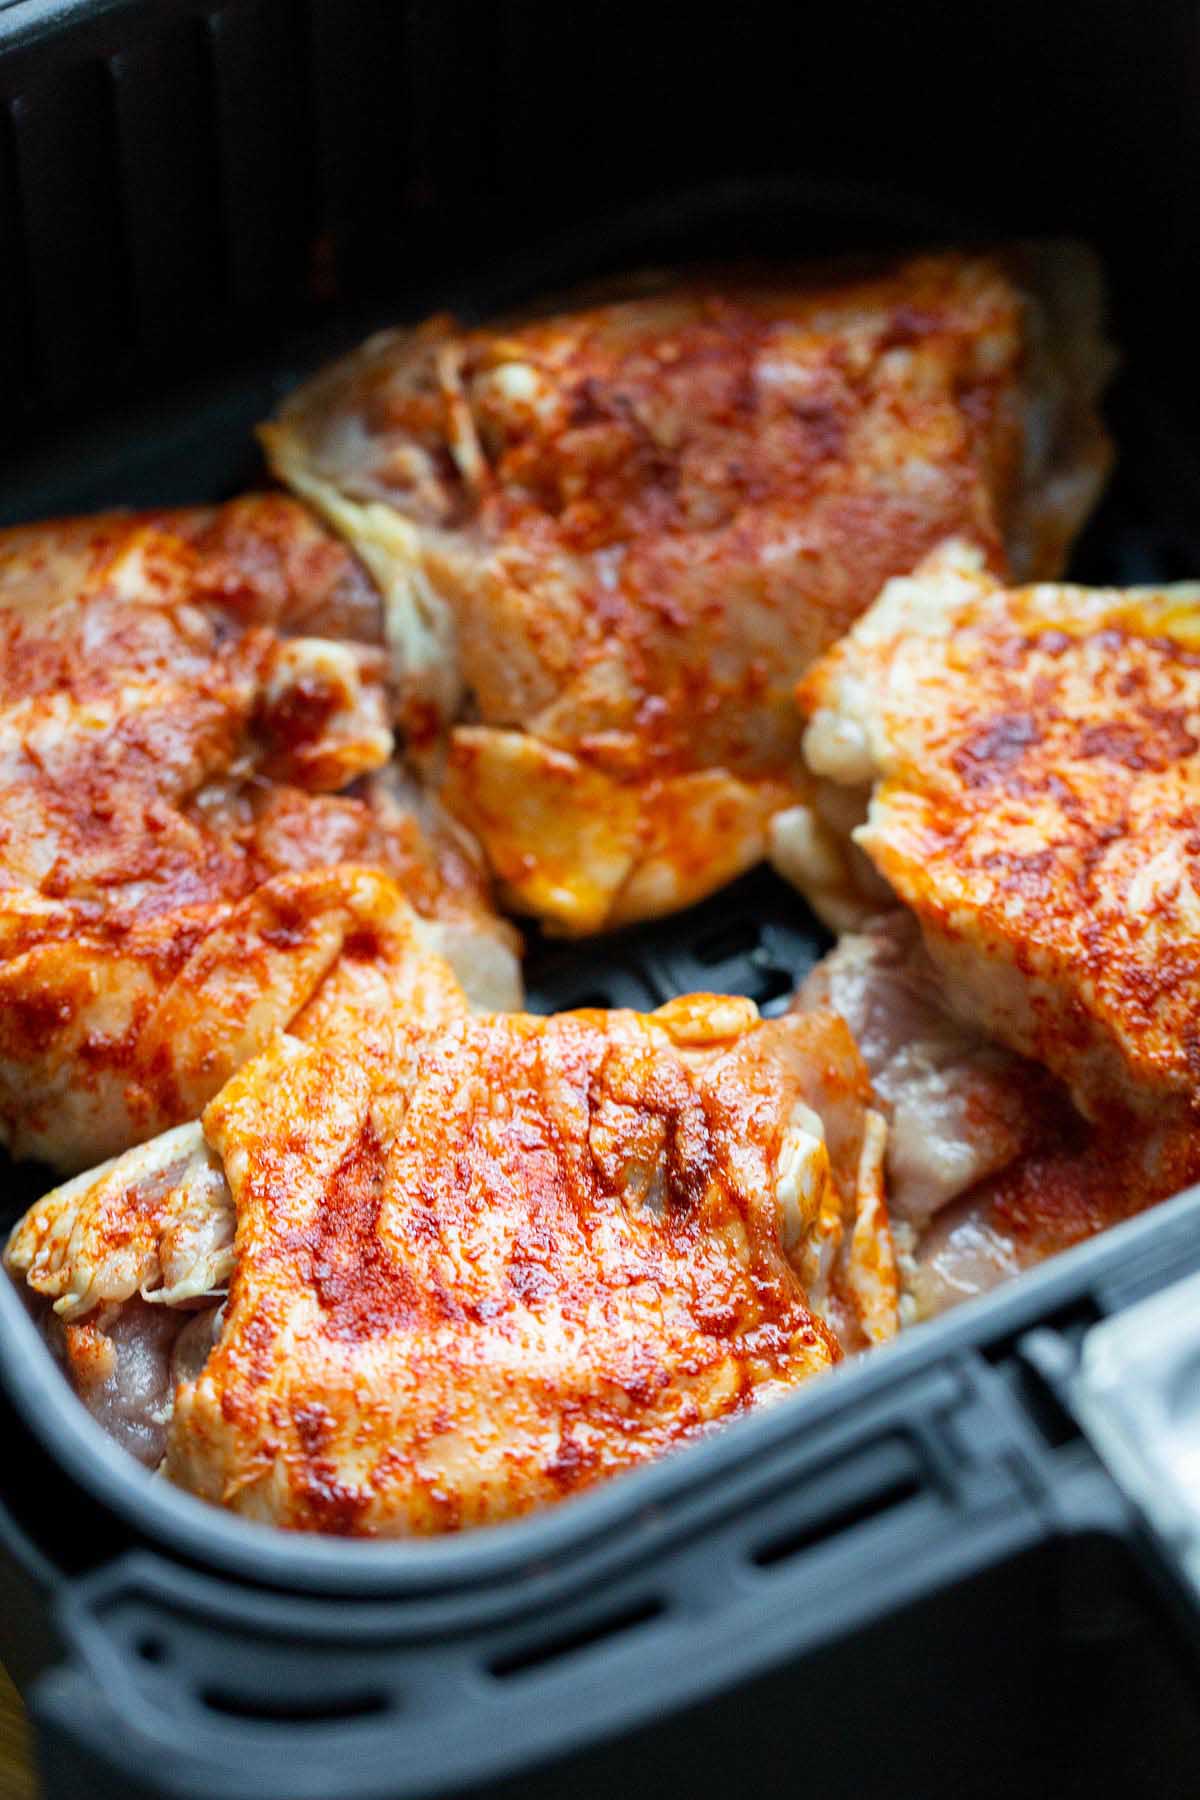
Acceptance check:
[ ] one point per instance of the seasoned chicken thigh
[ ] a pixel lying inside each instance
(1029, 764)
(610, 540)
(182, 696)
(483, 1267)
(1021, 768)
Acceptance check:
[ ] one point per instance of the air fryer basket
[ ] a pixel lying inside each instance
(918, 1576)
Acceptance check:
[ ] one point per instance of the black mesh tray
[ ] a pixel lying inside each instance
(913, 1578)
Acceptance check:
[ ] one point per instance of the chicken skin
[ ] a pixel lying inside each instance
(196, 816)
(1032, 761)
(611, 540)
(484, 1266)
(1021, 769)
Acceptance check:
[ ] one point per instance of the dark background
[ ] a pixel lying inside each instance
(197, 189)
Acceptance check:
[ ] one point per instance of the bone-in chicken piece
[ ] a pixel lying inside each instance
(1021, 769)
(195, 816)
(484, 1267)
(1026, 763)
(611, 540)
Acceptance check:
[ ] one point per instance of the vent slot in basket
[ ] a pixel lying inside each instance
(898, 1478)
(280, 1709)
(520, 1660)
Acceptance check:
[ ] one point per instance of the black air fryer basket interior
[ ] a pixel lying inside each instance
(915, 1577)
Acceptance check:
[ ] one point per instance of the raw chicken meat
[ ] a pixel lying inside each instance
(1029, 764)
(990, 1168)
(1021, 769)
(479, 1266)
(959, 1107)
(197, 819)
(610, 540)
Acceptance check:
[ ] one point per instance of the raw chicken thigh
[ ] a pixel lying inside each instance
(610, 540)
